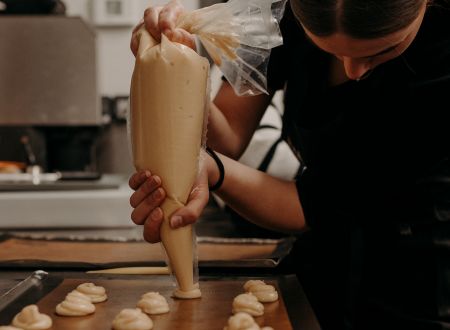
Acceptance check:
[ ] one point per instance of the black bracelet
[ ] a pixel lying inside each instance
(221, 169)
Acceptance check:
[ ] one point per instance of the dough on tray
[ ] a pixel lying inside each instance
(248, 303)
(75, 304)
(96, 293)
(153, 303)
(264, 292)
(250, 283)
(132, 319)
(242, 321)
(30, 318)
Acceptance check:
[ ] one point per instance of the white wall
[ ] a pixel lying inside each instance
(114, 58)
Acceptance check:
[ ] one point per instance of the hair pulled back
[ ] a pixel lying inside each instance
(361, 19)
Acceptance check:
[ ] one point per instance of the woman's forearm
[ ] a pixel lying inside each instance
(233, 120)
(266, 201)
(221, 136)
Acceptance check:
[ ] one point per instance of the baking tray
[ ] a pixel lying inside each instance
(54, 253)
(291, 311)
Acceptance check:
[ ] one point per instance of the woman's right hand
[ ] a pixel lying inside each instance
(162, 20)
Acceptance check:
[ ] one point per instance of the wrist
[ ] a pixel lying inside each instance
(212, 170)
(215, 168)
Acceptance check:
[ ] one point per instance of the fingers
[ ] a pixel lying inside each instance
(145, 188)
(134, 43)
(146, 201)
(183, 37)
(147, 197)
(159, 20)
(138, 178)
(167, 24)
(152, 226)
(194, 207)
(169, 15)
(148, 206)
(151, 22)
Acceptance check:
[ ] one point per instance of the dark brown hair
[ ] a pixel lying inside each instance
(362, 19)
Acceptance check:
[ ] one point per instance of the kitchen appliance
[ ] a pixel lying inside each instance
(50, 120)
(48, 92)
(48, 67)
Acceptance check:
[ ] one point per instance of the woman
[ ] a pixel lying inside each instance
(374, 192)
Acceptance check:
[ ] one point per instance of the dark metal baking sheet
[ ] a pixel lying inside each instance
(47, 290)
(26, 292)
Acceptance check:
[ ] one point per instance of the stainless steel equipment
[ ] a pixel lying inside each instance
(64, 204)
(48, 72)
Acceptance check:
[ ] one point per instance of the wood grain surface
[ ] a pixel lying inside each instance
(119, 252)
(209, 312)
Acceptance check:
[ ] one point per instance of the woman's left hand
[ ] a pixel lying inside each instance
(196, 202)
(146, 207)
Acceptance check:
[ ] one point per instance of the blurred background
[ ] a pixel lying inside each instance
(66, 68)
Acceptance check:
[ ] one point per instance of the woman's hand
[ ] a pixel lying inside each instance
(146, 201)
(149, 195)
(162, 20)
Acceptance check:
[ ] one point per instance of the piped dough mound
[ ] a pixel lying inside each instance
(262, 291)
(31, 319)
(95, 293)
(75, 304)
(241, 321)
(153, 303)
(247, 303)
(190, 294)
(132, 319)
(250, 283)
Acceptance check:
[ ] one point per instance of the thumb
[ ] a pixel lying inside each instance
(183, 37)
(189, 213)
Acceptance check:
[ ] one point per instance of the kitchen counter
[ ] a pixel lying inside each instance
(215, 224)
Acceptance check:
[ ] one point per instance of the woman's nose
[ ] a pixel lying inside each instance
(355, 69)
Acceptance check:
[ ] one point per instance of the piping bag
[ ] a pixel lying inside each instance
(170, 99)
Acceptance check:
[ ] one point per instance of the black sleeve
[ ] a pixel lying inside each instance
(279, 59)
(318, 199)
(305, 195)
(276, 69)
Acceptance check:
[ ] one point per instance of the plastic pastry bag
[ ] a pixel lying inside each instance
(169, 101)
(239, 35)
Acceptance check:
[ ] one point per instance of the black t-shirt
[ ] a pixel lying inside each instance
(371, 140)
(371, 151)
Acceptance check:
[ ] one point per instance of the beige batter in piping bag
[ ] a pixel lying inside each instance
(169, 98)
(168, 110)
